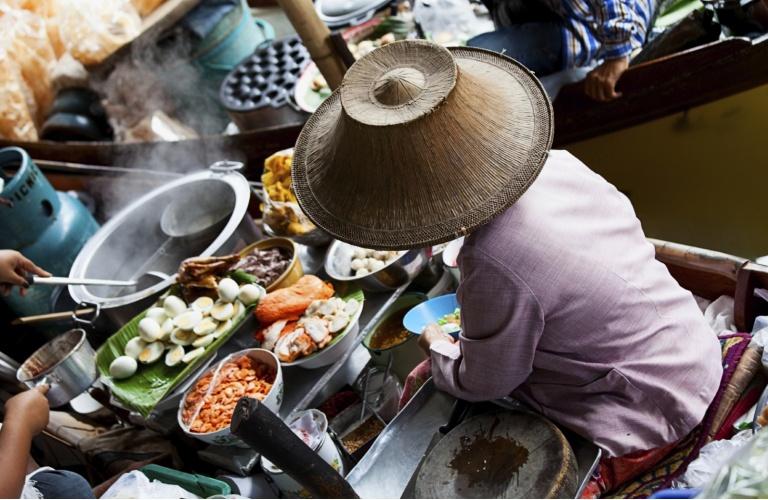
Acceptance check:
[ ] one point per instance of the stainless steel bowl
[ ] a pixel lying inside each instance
(67, 364)
(406, 267)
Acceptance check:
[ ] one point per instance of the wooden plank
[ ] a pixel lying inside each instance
(662, 87)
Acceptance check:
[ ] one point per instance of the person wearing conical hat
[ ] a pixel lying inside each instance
(563, 305)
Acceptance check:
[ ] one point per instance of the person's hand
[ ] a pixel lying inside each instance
(601, 81)
(28, 410)
(13, 268)
(431, 334)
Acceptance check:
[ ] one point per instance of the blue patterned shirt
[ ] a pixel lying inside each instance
(607, 29)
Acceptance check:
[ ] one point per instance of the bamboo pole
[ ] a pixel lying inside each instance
(316, 38)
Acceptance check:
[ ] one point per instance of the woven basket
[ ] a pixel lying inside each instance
(420, 144)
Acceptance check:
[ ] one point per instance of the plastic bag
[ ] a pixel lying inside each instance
(16, 103)
(25, 40)
(744, 475)
(719, 315)
(449, 22)
(91, 30)
(136, 485)
(711, 458)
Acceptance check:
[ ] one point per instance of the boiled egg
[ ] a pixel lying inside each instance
(134, 347)
(174, 355)
(123, 367)
(152, 352)
(223, 328)
(181, 337)
(188, 320)
(193, 354)
(157, 314)
(222, 311)
(228, 290)
(149, 330)
(203, 341)
(203, 304)
(173, 306)
(249, 294)
(206, 326)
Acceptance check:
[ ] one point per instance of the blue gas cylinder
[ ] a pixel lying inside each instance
(47, 226)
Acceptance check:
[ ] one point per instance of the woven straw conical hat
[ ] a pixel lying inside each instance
(420, 144)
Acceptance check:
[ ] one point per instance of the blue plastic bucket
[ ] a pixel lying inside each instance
(233, 39)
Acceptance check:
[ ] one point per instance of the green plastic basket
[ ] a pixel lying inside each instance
(202, 486)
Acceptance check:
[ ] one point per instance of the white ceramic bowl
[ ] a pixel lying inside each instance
(332, 353)
(273, 401)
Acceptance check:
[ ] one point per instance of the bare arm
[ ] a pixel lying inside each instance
(26, 415)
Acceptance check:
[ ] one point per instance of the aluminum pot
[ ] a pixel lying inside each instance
(406, 267)
(132, 245)
(67, 364)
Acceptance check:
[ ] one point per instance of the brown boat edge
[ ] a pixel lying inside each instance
(651, 90)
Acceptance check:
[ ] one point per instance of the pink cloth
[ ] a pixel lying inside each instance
(564, 306)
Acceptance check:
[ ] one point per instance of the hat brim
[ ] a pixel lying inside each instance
(355, 215)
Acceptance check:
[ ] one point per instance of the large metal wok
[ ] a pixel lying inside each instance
(201, 214)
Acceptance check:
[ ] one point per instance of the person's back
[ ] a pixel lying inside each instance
(620, 352)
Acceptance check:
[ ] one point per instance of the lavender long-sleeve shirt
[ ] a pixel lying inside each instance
(564, 306)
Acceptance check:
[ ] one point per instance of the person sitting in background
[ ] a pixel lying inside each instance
(548, 36)
(25, 416)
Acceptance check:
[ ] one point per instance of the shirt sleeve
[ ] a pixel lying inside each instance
(617, 23)
(502, 322)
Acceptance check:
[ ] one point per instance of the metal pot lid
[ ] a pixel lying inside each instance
(132, 243)
(336, 13)
(500, 455)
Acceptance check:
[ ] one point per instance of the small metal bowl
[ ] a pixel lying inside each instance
(292, 273)
(402, 270)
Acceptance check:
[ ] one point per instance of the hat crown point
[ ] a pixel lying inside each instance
(399, 86)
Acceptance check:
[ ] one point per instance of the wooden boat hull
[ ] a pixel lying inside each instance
(651, 90)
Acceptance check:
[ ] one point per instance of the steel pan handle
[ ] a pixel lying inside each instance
(82, 319)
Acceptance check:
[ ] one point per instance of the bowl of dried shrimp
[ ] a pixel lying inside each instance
(205, 411)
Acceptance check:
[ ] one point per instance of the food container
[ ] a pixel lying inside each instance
(273, 400)
(404, 356)
(325, 447)
(279, 214)
(294, 271)
(66, 364)
(340, 345)
(399, 272)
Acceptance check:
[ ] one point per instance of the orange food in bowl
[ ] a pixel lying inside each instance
(208, 410)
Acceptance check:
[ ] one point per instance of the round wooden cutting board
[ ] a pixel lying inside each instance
(500, 455)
